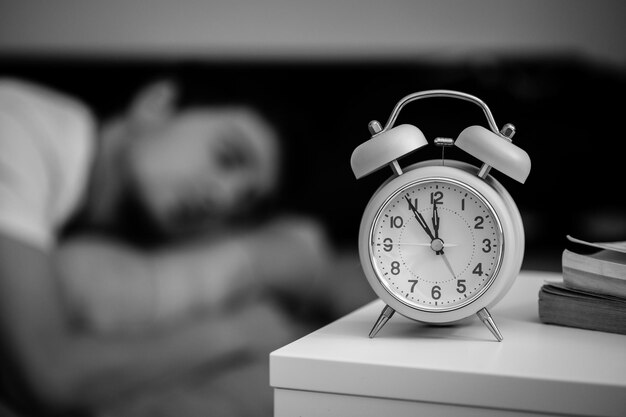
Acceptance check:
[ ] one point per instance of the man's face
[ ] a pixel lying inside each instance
(203, 165)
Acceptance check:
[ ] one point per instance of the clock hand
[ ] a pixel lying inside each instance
(447, 262)
(445, 245)
(435, 219)
(420, 219)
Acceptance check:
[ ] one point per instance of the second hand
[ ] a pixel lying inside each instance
(445, 245)
(447, 262)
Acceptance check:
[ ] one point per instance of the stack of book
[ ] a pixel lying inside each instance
(592, 294)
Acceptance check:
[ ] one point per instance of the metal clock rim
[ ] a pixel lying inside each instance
(495, 272)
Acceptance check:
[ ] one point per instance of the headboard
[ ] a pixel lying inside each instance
(567, 112)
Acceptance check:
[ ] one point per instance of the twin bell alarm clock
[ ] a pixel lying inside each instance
(441, 240)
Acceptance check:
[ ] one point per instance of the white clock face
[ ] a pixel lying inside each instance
(436, 244)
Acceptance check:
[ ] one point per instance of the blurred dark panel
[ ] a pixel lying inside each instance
(567, 113)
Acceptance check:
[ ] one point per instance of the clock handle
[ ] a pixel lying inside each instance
(486, 318)
(384, 317)
(442, 93)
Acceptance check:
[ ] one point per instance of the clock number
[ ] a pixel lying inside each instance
(478, 270)
(460, 286)
(387, 244)
(395, 267)
(435, 198)
(487, 244)
(463, 204)
(436, 292)
(412, 206)
(396, 221)
(414, 282)
(479, 222)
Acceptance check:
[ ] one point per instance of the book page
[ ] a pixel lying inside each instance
(612, 246)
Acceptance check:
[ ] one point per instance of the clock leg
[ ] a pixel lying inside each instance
(486, 318)
(384, 317)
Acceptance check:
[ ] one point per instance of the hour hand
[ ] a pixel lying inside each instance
(420, 219)
(435, 219)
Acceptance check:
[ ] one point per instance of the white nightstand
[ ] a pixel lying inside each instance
(411, 369)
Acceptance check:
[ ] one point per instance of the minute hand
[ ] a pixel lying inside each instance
(420, 219)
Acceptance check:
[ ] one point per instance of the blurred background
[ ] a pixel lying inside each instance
(321, 70)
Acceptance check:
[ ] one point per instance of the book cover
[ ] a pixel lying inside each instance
(565, 306)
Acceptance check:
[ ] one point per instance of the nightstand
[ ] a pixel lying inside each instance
(413, 369)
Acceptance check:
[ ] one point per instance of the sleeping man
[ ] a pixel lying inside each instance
(88, 319)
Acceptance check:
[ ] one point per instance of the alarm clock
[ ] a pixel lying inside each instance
(441, 240)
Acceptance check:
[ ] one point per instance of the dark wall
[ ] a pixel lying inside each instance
(567, 113)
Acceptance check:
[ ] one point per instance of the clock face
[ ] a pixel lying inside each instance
(436, 244)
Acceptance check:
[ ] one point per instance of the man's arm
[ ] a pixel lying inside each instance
(116, 287)
(65, 367)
